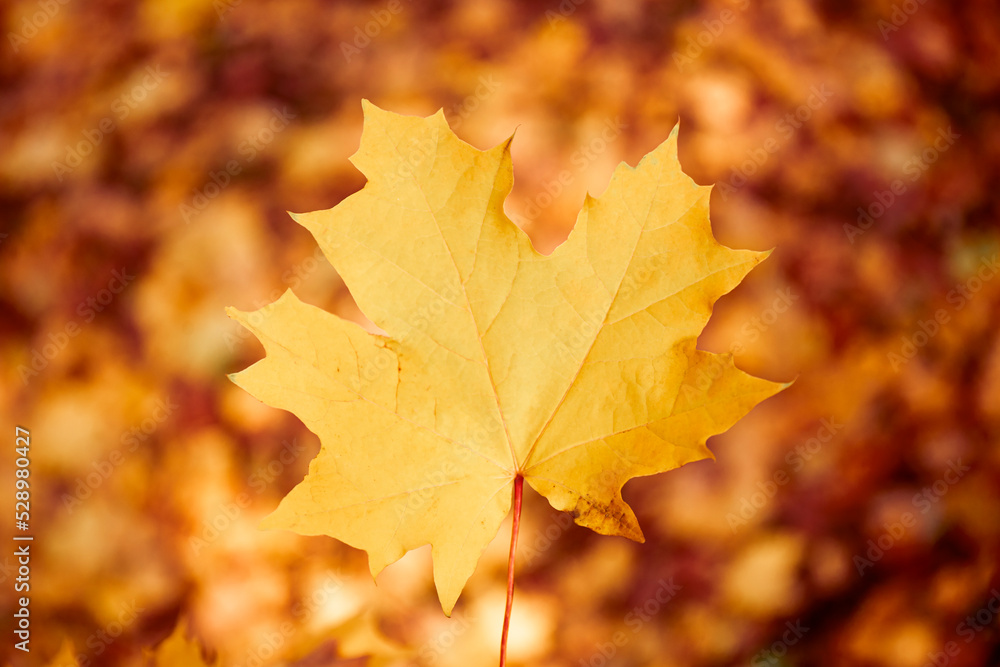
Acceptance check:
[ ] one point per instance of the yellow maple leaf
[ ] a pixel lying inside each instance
(576, 371)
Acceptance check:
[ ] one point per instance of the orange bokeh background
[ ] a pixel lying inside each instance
(151, 149)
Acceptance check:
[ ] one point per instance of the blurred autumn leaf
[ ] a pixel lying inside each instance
(178, 651)
(66, 657)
